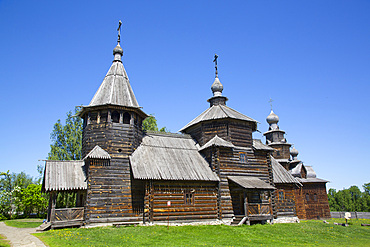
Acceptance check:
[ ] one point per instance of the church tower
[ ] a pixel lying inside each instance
(275, 138)
(112, 130)
(225, 139)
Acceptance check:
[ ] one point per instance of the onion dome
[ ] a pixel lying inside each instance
(294, 153)
(217, 87)
(272, 118)
(117, 52)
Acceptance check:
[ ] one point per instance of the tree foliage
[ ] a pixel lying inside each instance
(66, 139)
(66, 145)
(150, 124)
(351, 199)
(20, 195)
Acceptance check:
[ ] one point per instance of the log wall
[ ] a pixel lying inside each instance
(285, 201)
(202, 204)
(112, 194)
(237, 132)
(312, 201)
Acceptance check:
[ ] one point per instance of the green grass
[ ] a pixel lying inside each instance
(306, 233)
(24, 223)
(3, 242)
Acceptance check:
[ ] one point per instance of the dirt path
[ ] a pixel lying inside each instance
(20, 236)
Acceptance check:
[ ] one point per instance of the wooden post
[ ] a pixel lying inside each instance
(53, 202)
(49, 206)
(245, 204)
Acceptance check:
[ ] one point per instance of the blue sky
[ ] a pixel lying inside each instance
(311, 57)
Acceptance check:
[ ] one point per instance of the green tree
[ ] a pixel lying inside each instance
(20, 194)
(30, 200)
(5, 195)
(66, 145)
(150, 124)
(66, 139)
(351, 199)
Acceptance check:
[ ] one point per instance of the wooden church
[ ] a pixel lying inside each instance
(213, 171)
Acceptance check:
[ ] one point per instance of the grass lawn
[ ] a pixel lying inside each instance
(311, 233)
(24, 223)
(3, 242)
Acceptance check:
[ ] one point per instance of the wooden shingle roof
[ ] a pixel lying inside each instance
(170, 157)
(251, 182)
(258, 145)
(312, 180)
(115, 88)
(219, 112)
(98, 153)
(64, 175)
(281, 175)
(217, 142)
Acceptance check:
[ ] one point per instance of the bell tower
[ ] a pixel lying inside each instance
(112, 121)
(275, 138)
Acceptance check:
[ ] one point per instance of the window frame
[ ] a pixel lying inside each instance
(189, 197)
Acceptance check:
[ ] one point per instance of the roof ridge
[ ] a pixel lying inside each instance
(168, 134)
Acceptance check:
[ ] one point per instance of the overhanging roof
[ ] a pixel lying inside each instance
(64, 175)
(98, 153)
(251, 182)
(164, 156)
(217, 142)
(258, 145)
(281, 175)
(219, 112)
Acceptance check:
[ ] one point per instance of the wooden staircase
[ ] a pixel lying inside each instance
(237, 219)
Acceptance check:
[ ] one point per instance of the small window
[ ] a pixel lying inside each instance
(189, 198)
(281, 195)
(278, 153)
(115, 117)
(126, 118)
(307, 197)
(243, 158)
(315, 197)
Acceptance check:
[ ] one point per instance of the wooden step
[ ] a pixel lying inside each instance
(43, 227)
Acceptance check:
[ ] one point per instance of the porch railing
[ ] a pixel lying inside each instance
(66, 214)
(259, 208)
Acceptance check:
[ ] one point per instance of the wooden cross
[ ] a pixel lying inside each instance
(270, 101)
(215, 61)
(119, 30)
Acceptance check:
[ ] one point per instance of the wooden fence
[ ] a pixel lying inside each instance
(354, 215)
(258, 208)
(66, 214)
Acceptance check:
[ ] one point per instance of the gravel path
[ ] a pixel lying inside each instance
(20, 236)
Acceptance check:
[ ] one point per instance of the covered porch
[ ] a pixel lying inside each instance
(66, 184)
(251, 199)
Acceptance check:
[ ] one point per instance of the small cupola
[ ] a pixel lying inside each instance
(272, 120)
(294, 153)
(217, 88)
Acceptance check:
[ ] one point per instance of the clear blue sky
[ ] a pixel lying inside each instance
(311, 57)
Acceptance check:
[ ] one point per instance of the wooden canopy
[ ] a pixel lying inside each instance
(251, 182)
(64, 175)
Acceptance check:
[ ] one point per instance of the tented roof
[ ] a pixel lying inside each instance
(115, 88)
